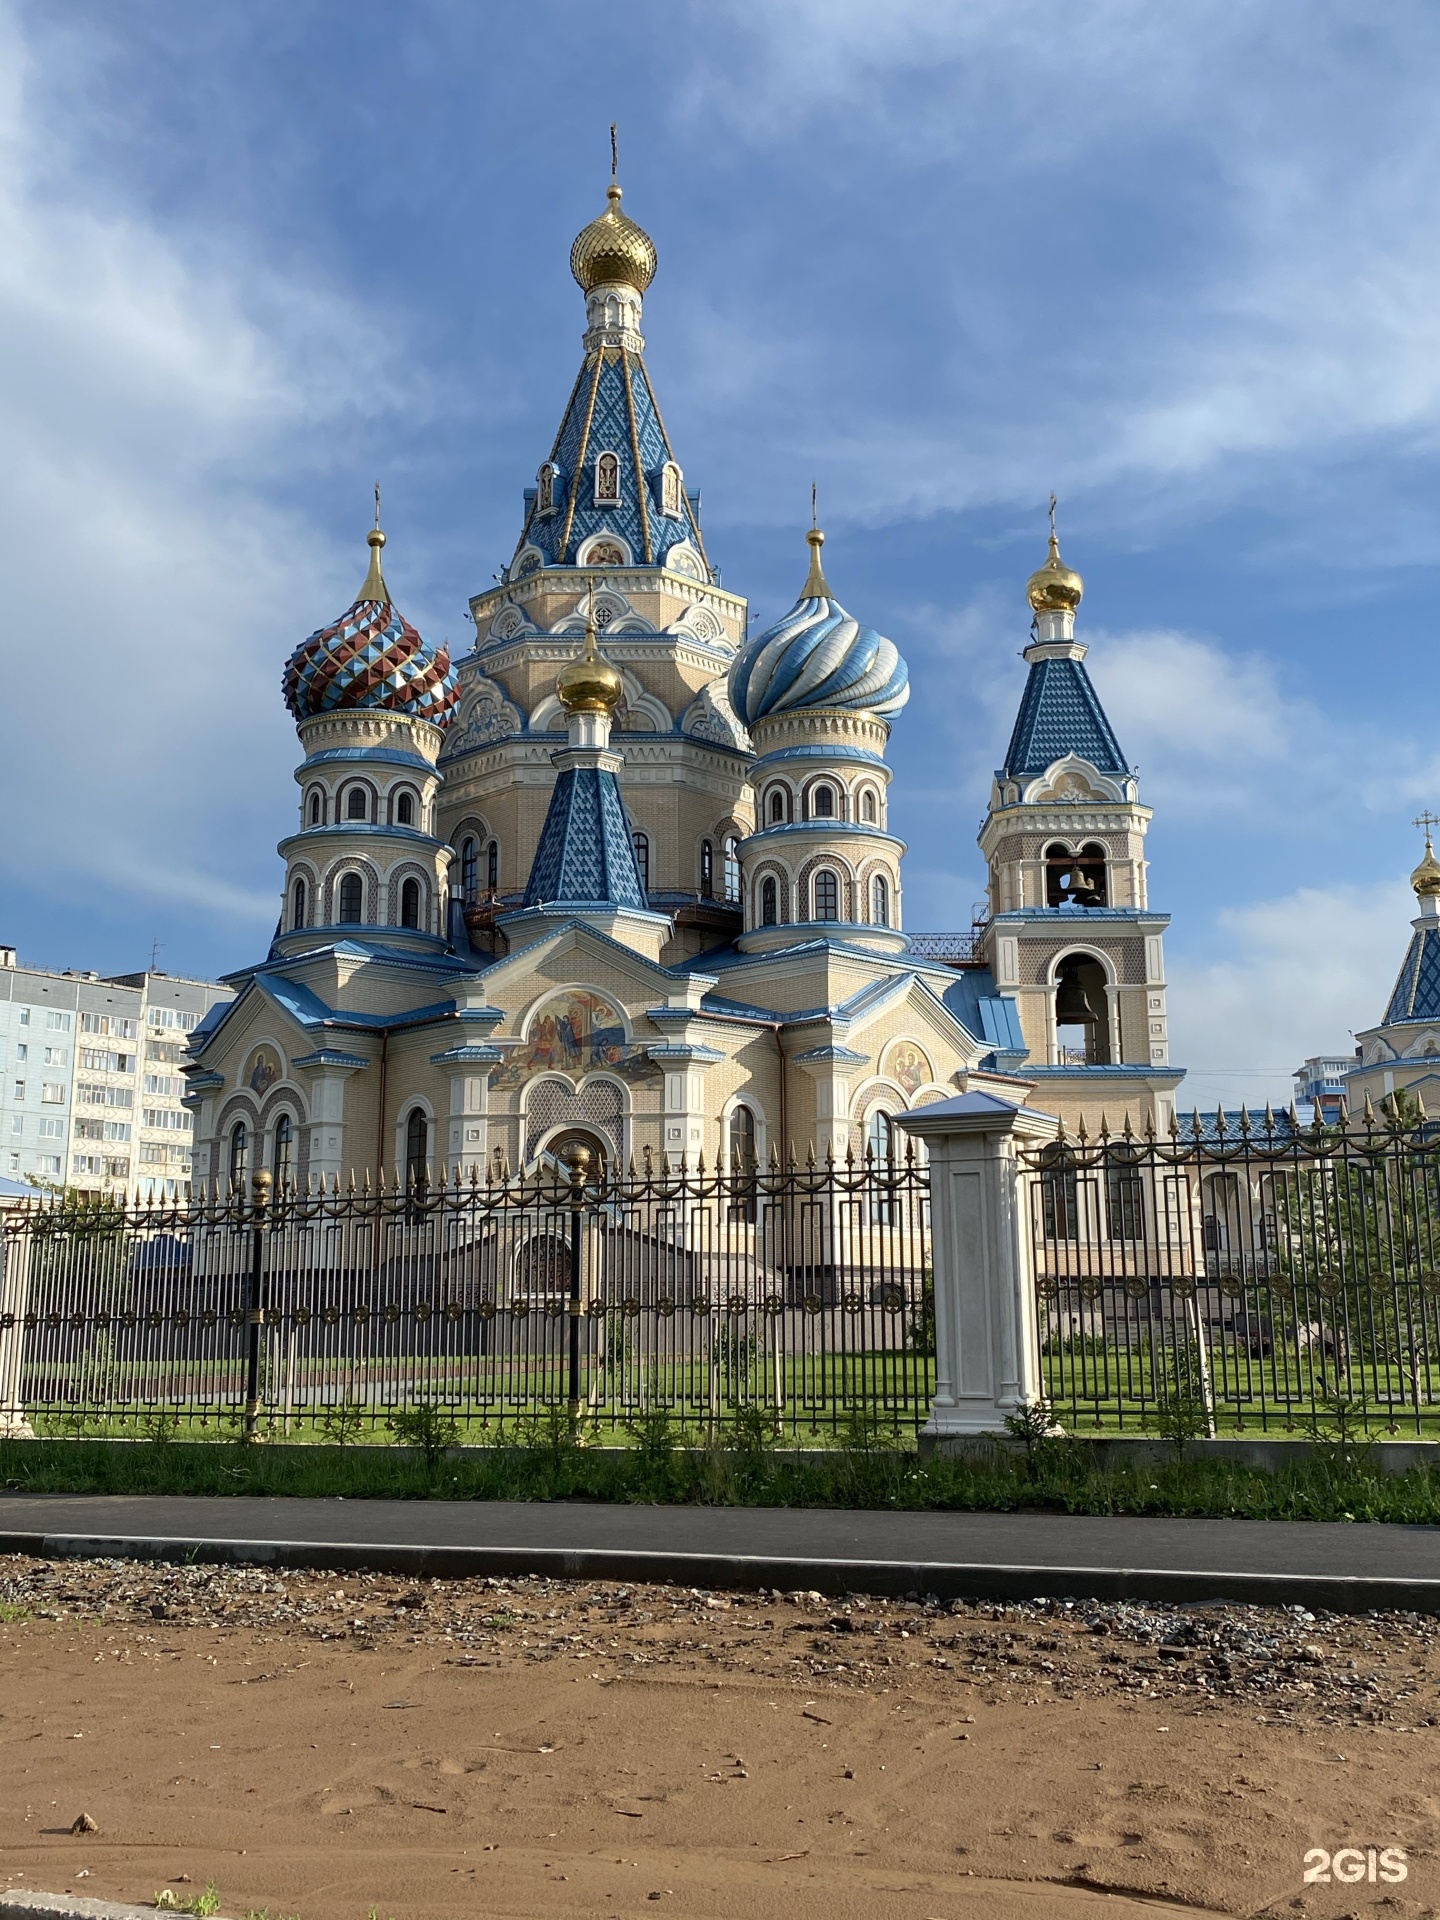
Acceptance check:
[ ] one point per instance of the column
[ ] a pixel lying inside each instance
(467, 1140)
(684, 1065)
(327, 1071)
(986, 1333)
(15, 1251)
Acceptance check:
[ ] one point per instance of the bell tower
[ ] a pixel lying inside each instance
(1070, 932)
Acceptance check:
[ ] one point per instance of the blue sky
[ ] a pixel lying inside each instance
(1178, 263)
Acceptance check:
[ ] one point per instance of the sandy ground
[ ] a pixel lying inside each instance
(325, 1747)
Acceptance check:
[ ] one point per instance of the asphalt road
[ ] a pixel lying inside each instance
(1005, 1555)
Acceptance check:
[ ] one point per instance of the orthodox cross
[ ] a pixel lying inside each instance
(1052, 516)
(614, 154)
(377, 503)
(814, 505)
(1427, 821)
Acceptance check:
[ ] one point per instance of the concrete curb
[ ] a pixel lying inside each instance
(950, 1580)
(20, 1904)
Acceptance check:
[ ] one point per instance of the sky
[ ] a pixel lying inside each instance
(1179, 264)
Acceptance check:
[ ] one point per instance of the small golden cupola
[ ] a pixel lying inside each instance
(588, 683)
(1054, 588)
(613, 251)
(1426, 877)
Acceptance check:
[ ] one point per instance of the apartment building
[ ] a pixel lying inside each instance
(90, 1079)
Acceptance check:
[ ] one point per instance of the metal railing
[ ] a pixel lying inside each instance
(801, 1294)
(1251, 1275)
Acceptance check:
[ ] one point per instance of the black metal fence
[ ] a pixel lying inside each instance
(1254, 1276)
(799, 1294)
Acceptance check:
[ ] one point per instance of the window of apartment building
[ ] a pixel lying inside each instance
(161, 1153)
(88, 1095)
(168, 1085)
(57, 1056)
(17, 1123)
(57, 1022)
(24, 1016)
(47, 1163)
(22, 1052)
(110, 1024)
(167, 1052)
(52, 1092)
(19, 1089)
(173, 1017)
(167, 1120)
(104, 1060)
(14, 1163)
(52, 1129)
(117, 1130)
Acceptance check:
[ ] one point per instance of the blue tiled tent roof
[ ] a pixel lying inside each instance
(611, 409)
(1060, 713)
(1417, 991)
(586, 854)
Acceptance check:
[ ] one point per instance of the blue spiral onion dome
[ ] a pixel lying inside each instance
(817, 656)
(371, 657)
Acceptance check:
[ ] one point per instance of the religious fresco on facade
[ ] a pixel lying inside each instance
(909, 1067)
(265, 1070)
(573, 1032)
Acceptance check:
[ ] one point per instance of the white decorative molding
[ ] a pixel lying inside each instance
(710, 716)
(485, 716)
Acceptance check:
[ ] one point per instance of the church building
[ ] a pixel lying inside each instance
(625, 876)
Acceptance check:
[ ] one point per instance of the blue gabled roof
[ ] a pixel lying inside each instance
(586, 854)
(1060, 713)
(611, 410)
(1417, 991)
(982, 1010)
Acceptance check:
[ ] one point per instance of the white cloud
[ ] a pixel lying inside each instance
(149, 591)
(1297, 976)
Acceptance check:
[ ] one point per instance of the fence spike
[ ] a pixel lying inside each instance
(700, 1161)
(810, 1154)
(849, 1155)
(1369, 1114)
(1127, 1130)
(1195, 1127)
(830, 1155)
(1244, 1118)
(1269, 1119)
(1060, 1127)
(1104, 1134)
(1420, 1107)
(1294, 1117)
(1080, 1133)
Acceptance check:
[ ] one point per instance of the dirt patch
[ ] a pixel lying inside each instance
(321, 1745)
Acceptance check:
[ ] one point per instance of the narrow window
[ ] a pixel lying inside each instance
(777, 806)
(492, 865)
(880, 1155)
(707, 870)
(670, 491)
(769, 902)
(545, 503)
(417, 1148)
(880, 889)
(469, 871)
(314, 809)
(410, 903)
(827, 896)
(731, 850)
(642, 859)
(357, 804)
(284, 1152)
(607, 480)
(867, 806)
(297, 912)
(239, 1155)
(352, 900)
(405, 810)
(822, 803)
(743, 1165)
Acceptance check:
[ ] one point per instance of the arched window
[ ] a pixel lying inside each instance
(670, 491)
(880, 900)
(707, 870)
(469, 871)
(405, 809)
(1075, 879)
(827, 895)
(492, 865)
(352, 900)
(769, 902)
(357, 804)
(743, 1164)
(239, 1155)
(545, 501)
(880, 1137)
(297, 904)
(867, 806)
(607, 480)
(1082, 1013)
(822, 803)
(314, 809)
(410, 903)
(642, 858)
(417, 1148)
(778, 810)
(731, 851)
(284, 1152)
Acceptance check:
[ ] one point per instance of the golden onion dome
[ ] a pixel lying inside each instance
(613, 248)
(1426, 877)
(1054, 588)
(588, 683)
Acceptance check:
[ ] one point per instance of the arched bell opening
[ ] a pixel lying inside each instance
(1082, 1012)
(1076, 878)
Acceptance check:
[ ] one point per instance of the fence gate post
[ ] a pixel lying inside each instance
(987, 1346)
(15, 1252)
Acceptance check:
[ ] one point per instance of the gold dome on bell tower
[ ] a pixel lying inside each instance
(588, 683)
(613, 249)
(1054, 588)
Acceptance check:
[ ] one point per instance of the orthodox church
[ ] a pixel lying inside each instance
(624, 875)
(1402, 1053)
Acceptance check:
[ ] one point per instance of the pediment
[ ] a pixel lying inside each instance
(1073, 781)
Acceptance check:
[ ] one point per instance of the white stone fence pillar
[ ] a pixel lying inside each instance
(987, 1342)
(15, 1252)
